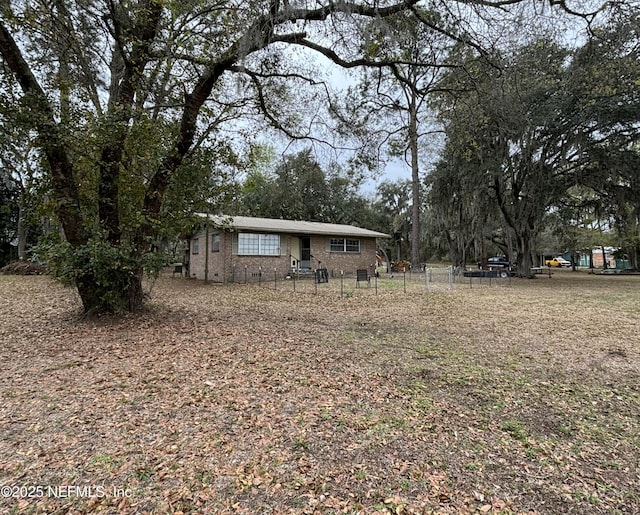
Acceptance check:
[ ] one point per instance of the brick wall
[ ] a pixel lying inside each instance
(348, 262)
(225, 266)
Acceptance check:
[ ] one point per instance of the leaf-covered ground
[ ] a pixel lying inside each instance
(519, 398)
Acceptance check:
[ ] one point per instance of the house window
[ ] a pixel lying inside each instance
(352, 245)
(195, 246)
(251, 244)
(344, 245)
(215, 243)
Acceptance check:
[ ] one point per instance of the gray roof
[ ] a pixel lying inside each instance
(248, 223)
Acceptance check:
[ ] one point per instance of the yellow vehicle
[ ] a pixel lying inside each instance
(557, 261)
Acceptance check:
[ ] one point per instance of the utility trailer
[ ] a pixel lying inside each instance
(502, 273)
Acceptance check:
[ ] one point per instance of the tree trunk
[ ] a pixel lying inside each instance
(122, 294)
(22, 231)
(415, 184)
(524, 255)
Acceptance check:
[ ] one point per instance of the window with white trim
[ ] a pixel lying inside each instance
(195, 246)
(215, 243)
(344, 245)
(252, 244)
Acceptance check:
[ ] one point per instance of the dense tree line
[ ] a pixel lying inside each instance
(538, 135)
(300, 188)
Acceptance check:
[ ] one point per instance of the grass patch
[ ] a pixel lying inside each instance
(249, 399)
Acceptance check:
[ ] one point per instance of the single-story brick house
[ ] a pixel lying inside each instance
(227, 249)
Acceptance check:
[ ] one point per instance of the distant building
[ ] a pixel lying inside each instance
(597, 258)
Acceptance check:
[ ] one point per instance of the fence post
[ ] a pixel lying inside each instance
(294, 281)
(341, 283)
(315, 279)
(275, 278)
(245, 275)
(451, 278)
(259, 276)
(427, 273)
(404, 276)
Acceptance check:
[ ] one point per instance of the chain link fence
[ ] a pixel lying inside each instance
(349, 283)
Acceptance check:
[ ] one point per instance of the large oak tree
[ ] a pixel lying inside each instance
(119, 93)
(524, 133)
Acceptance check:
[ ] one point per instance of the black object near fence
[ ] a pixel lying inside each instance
(347, 283)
